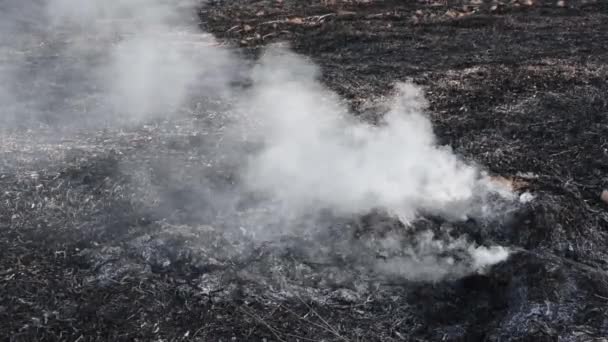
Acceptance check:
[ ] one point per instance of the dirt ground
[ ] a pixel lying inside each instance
(516, 86)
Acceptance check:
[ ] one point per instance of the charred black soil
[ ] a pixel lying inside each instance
(88, 252)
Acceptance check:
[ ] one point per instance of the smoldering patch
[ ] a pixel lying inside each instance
(324, 202)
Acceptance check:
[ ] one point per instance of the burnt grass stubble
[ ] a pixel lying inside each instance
(520, 89)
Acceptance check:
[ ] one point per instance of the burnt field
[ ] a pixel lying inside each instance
(113, 231)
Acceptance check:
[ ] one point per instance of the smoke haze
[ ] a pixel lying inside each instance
(75, 64)
(70, 64)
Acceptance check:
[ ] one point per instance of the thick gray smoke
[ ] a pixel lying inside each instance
(83, 64)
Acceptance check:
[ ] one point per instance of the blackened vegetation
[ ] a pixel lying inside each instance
(109, 242)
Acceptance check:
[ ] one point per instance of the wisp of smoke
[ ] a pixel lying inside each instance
(429, 258)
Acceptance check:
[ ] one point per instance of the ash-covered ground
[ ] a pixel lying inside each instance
(127, 208)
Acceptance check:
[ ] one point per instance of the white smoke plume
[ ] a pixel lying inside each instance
(317, 155)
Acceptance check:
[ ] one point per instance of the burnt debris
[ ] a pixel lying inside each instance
(91, 252)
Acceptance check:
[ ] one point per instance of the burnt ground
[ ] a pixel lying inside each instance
(99, 242)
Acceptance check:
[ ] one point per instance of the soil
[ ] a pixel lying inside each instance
(94, 249)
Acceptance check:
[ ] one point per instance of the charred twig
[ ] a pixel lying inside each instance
(303, 318)
(233, 28)
(327, 327)
(332, 329)
(274, 331)
(601, 297)
(299, 20)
